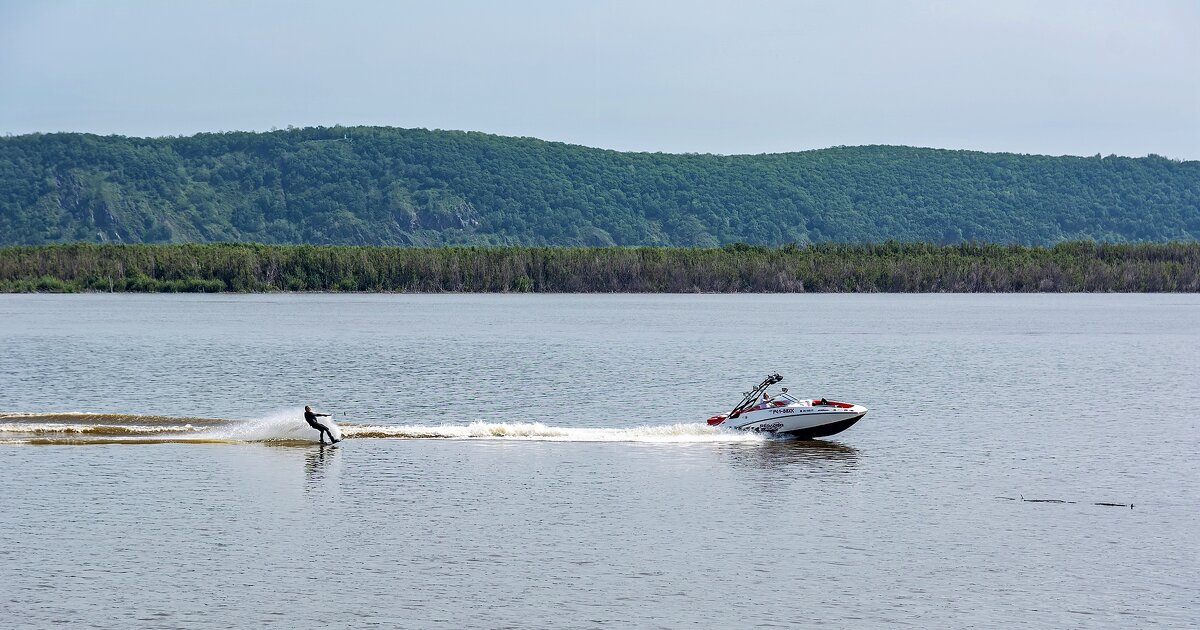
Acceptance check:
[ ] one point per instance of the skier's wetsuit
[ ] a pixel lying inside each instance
(311, 418)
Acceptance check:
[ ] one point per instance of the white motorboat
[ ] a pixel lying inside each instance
(786, 415)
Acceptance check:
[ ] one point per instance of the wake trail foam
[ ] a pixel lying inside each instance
(537, 431)
(94, 428)
(287, 426)
(281, 426)
(76, 418)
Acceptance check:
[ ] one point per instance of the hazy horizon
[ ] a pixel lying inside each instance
(1067, 78)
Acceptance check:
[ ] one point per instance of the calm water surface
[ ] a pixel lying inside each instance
(577, 487)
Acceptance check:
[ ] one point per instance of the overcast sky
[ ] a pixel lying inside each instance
(1038, 76)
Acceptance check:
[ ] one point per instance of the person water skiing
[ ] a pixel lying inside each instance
(311, 418)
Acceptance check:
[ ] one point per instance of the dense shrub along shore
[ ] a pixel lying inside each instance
(883, 267)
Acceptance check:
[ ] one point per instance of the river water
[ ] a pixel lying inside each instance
(542, 462)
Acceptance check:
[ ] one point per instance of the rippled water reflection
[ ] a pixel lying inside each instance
(582, 497)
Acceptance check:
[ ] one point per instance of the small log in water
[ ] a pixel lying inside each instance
(1104, 503)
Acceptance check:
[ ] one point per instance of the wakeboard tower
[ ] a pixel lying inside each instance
(786, 415)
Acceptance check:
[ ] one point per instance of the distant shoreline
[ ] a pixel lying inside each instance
(889, 267)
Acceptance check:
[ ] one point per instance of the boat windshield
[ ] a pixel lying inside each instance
(787, 398)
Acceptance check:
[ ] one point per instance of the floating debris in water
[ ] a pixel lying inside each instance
(1104, 503)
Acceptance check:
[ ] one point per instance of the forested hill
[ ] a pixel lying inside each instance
(370, 185)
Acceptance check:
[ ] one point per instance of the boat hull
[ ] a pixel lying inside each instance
(824, 430)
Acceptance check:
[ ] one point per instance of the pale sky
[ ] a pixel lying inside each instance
(1055, 77)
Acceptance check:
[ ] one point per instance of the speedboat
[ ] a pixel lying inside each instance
(786, 415)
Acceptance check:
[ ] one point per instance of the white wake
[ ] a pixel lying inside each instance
(288, 425)
(537, 431)
(280, 426)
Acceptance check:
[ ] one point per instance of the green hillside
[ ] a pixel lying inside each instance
(386, 186)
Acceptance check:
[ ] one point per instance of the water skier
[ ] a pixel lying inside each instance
(311, 418)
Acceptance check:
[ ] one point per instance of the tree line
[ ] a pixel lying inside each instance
(891, 266)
